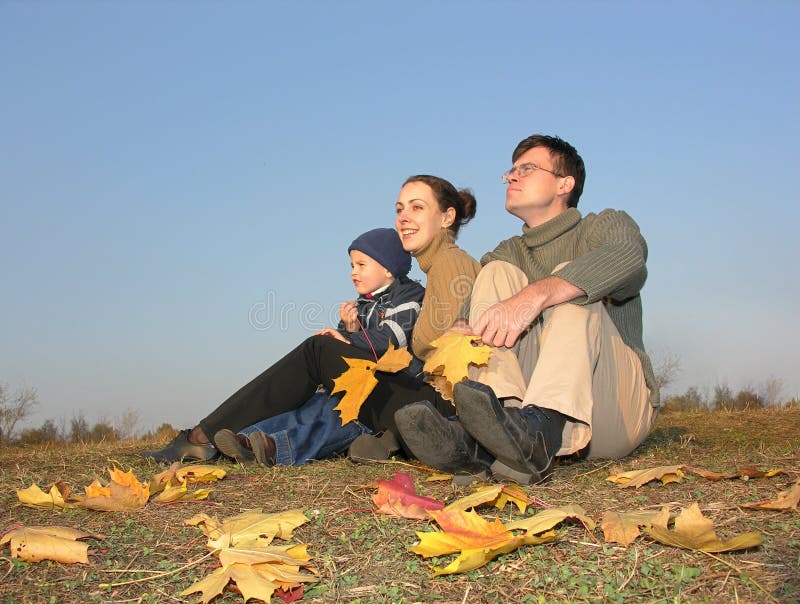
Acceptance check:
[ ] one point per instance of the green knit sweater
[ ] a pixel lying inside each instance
(606, 254)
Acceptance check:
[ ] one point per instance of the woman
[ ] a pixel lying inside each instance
(430, 212)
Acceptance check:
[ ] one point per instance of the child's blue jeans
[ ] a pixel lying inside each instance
(314, 431)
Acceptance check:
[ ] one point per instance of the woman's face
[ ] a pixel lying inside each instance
(419, 218)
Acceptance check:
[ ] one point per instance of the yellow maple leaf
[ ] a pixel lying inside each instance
(636, 478)
(124, 492)
(177, 491)
(452, 355)
(34, 497)
(623, 527)
(547, 519)
(694, 531)
(394, 359)
(477, 540)
(58, 543)
(242, 544)
(358, 380)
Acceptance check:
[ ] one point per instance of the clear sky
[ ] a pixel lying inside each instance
(179, 181)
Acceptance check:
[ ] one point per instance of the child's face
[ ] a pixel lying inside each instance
(367, 274)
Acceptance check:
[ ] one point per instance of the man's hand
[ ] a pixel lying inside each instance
(349, 315)
(333, 333)
(463, 327)
(503, 323)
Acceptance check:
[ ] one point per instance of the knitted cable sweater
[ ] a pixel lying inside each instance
(450, 273)
(606, 254)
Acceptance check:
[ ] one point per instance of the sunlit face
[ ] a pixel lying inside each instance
(540, 195)
(367, 274)
(419, 218)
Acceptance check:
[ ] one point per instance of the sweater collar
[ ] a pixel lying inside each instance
(441, 241)
(552, 229)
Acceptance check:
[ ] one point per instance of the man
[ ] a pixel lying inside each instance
(560, 306)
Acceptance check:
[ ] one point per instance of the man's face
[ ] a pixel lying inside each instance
(538, 196)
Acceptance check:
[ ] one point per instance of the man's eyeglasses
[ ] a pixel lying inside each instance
(526, 170)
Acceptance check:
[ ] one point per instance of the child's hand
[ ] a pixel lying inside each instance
(349, 315)
(334, 334)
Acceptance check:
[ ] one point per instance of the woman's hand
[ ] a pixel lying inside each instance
(349, 315)
(334, 334)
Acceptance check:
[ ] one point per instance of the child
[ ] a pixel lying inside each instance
(385, 312)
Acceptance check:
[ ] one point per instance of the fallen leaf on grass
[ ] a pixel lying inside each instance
(696, 532)
(123, 492)
(452, 355)
(56, 497)
(547, 519)
(258, 569)
(496, 494)
(358, 380)
(475, 539)
(398, 497)
(173, 491)
(58, 543)
(745, 473)
(787, 500)
(636, 478)
(623, 527)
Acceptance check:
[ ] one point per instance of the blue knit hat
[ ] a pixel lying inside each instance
(384, 246)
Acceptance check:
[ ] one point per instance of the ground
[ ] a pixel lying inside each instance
(364, 557)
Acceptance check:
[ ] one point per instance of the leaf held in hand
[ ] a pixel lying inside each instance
(453, 354)
(358, 380)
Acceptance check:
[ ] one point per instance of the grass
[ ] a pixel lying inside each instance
(363, 557)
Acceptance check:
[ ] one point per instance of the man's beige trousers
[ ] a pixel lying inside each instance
(572, 360)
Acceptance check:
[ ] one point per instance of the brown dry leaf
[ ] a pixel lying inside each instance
(398, 497)
(636, 478)
(477, 540)
(744, 473)
(452, 355)
(787, 500)
(623, 527)
(257, 568)
(124, 492)
(58, 543)
(34, 497)
(358, 380)
(696, 532)
(547, 519)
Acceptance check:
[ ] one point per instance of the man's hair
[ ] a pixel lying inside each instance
(566, 161)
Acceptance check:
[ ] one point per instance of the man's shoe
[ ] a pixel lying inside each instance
(373, 448)
(236, 446)
(439, 442)
(263, 447)
(524, 441)
(181, 448)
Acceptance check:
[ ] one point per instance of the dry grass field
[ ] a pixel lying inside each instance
(365, 557)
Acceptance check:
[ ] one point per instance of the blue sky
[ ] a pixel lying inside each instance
(179, 181)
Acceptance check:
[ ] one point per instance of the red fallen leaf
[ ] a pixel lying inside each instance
(398, 497)
(290, 595)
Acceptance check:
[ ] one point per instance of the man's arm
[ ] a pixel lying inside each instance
(503, 323)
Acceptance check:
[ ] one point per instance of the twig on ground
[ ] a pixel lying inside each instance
(158, 575)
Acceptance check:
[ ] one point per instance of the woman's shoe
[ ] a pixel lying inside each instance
(373, 448)
(181, 448)
(236, 446)
(263, 447)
